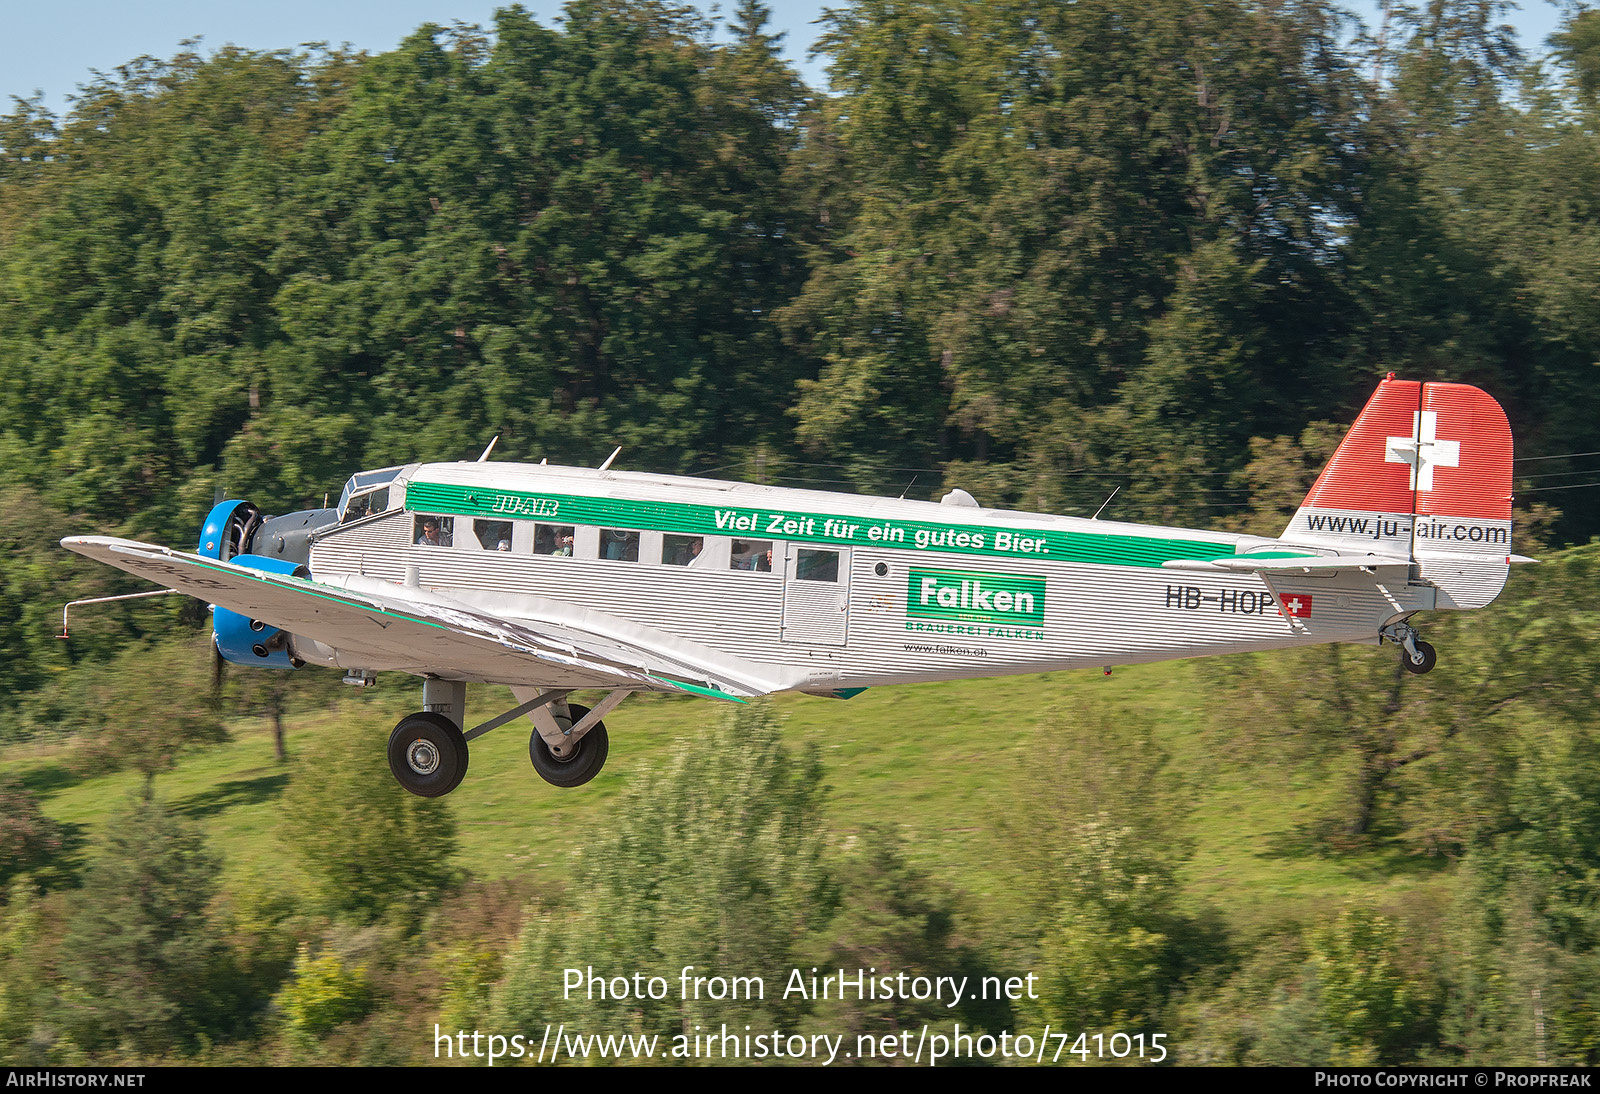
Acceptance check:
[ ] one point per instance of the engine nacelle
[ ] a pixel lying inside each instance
(246, 641)
(228, 529)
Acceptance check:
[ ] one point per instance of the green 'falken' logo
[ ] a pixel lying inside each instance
(976, 597)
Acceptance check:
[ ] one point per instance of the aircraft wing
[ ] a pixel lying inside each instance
(1245, 564)
(380, 625)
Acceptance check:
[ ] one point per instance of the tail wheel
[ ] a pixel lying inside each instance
(1424, 660)
(588, 755)
(428, 754)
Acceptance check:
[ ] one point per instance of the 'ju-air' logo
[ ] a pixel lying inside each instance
(976, 597)
(520, 505)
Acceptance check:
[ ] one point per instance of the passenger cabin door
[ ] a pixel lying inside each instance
(816, 595)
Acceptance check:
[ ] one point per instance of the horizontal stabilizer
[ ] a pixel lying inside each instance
(1244, 564)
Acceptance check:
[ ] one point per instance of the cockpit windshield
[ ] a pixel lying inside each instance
(361, 491)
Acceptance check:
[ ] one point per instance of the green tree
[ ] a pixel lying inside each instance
(25, 993)
(1363, 993)
(716, 863)
(572, 238)
(1069, 222)
(1522, 973)
(323, 993)
(1106, 956)
(36, 579)
(141, 963)
(1427, 759)
(894, 920)
(1103, 823)
(376, 851)
(28, 838)
(154, 703)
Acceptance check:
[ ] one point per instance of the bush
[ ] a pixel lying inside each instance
(142, 962)
(374, 848)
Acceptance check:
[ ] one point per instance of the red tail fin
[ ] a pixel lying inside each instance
(1426, 473)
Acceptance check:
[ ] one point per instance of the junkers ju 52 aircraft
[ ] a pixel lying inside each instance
(554, 579)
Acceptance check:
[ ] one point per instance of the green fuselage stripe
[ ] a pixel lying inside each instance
(1105, 549)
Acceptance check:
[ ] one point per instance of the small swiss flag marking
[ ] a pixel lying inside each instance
(1298, 605)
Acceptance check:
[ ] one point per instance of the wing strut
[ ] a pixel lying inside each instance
(1295, 626)
(517, 712)
(601, 709)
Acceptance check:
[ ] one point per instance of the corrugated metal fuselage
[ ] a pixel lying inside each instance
(919, 591)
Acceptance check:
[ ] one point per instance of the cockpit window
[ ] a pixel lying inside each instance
(365, 504)
(360, 483)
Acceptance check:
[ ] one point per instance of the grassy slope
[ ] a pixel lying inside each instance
(943, 762)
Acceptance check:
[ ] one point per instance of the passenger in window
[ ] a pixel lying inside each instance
(681, 550)
(430, 535)
(752, 554)
(619, 545)
(553, 539)
(491, 533)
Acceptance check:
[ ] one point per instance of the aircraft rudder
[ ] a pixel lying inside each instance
(1462, 536)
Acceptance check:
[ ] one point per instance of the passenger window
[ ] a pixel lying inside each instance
(752, 554)
(681, 550)
(619, 545)
(810, 565)
(434, 531)
(553, 539)
(493, 535)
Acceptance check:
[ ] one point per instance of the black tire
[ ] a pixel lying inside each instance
(1427, 657)
(585, 762)
(428, 754)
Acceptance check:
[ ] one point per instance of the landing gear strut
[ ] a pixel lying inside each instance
(428, 750)
(1417, 656)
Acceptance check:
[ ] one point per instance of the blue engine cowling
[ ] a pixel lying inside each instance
(246, 641)
(227, 529)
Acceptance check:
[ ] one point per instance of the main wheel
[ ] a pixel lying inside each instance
(1423, 662)
(428, 754)
(588, 756)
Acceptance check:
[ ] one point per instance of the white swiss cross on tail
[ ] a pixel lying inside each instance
(1423, 450)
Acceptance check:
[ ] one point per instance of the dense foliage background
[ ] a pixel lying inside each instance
(1034, 249)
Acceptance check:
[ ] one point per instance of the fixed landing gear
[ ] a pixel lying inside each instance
(428, 754)
(583, 758)
(428, 750)
(1417, 656)
(1421, 659)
